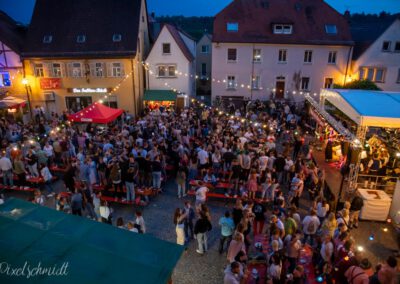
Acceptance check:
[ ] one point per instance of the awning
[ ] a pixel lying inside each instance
(159, 95)
(96, 113)
(367, 108)
(12, 102)
(93, 252)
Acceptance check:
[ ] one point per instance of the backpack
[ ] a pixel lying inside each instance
(311, 227)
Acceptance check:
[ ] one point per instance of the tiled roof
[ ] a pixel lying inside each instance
(11, 33)
(179, 41)
(97, 20)
(257, 17)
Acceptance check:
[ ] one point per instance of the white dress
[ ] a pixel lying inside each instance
(180, 234)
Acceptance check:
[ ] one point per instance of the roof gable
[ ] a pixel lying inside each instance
(256, 19)
(11, 33)
(97, 20)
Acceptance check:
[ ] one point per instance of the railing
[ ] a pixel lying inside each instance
(387, 183)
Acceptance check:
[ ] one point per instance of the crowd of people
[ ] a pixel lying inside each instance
(263, 154)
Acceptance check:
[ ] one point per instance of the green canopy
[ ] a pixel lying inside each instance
(85, 250)
(159, 95)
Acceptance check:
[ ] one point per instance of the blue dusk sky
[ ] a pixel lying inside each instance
(21, 10)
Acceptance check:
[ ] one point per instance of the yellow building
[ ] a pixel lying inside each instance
(76, 54)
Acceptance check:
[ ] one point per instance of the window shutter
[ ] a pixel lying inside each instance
(109, 69)
(69, 69)
(62, 69)
(103, 66)
(48, 72)
(92, 67)
(122, 70)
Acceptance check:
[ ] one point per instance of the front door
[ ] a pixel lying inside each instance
(280, 89)
(76, 104)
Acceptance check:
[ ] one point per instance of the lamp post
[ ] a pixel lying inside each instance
(25, 82)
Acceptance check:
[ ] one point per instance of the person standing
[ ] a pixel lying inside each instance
(129, 178)
(188, 222)
(6, 169)
(32, 163)
(355, 207)
(179, 220)
(227, 228)
(181, 182)
(310, 226)
(19, 170)
(140, 222)
(47, 178)
(156, 172)
(259, 218)
(201, 228)
(77, 203)
(201, 194)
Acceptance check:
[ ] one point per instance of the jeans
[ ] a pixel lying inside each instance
(48, 186)
(202, 242)
(222, 241)
(90, 211)
(157, 179)
(33, 170)
(189, 229)
(8, 178)
(130, 191)
(181, 189)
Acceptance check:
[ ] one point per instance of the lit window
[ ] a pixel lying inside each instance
(116, 69)
(328, 83)
(76, 70)
(39, 70)
(98, 69)
(56, 70)
(332, 57)
(5, 79)
(205, 48)
(166, 71)
(386, 46)
(282, 56)
(80, 38)
(372, 74)
(231, 82)
(255, 82)
(47, 39)
(305, 82)
(308, 56)
(166, 48)
(117, 37)
(232, 54)
(331, 29)
(283, 29)
(232, 27)
(256, 55)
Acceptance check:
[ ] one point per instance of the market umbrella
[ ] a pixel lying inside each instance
(12, 102)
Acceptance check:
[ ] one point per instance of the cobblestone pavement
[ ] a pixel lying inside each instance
(208, 269)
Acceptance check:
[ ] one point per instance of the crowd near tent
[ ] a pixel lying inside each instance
(96, 113)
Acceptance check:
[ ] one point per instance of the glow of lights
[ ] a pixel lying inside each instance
(274, 90)
(15, 148)
(389, 220)
(346, 258)
(24, 81)
(398, 154)
(243, 120)
(232, 116)
(220, 113)
(320, 279)
(256, 124)
(101, 101)
(360, 248)
(385, 229)
(371, 237)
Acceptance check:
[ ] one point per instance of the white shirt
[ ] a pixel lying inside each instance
(307, 220)
(263, 162)
(104, 212)
(321, 211)
(326, 251)
(5, 164)
(46, 174)
(201, 193)
(140, 221)
(202, 156)
(48, 150)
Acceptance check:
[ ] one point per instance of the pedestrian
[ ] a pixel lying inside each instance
(259, 218)
(7, 170)
(181, 181)
(201, 194)
(47, 180)
(156, 173)
(77, 202)
(227, 228)
(188, 220)
(355, 207)
(201, 228)
(140, 222)
(179, 219)
(105, 212)
(310, 226)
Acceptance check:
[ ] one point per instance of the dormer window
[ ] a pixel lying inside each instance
(283, 29)
(117, 37)
(80, 38)
(47, 39)
(331, 29)
(232, 27)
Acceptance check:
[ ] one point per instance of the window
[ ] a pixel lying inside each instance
(116, 69)
(332, 57)
(203, 69)
(205, 48)
(373, 74)
(397, 46)
(75, 70)
(166, 48)
(282, 56)
(47, 39)
(283, 29)
(255, 82)
(256, 55)
(305, 82)
(398, 76)
(386, 46)
(331, 29)
(5, 79)
(166, 71)
(328, 83)
(56, 70)
(308, 56)
(98, 70)
(39, 70)
(117, 37)
(80, 38)
(232, 27)
(232, 56)
(231, 82)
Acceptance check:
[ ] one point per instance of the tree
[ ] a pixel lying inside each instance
(358, 85)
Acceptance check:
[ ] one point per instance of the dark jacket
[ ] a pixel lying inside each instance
(202, 225)
(356, 204)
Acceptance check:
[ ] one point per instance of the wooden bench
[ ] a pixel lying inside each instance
(18, 188)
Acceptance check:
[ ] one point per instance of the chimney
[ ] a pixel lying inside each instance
(347, 15)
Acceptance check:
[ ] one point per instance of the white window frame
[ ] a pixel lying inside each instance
(308, 55)
(282, 54)
(2, 79)
(231, 84)
(255, 82)
(257, 58)
(389, 46)
(47, 39)
(117, 71)
(334, 32)
(236, 55)
(76, 72)
(302, 84)
(332, 57)
(284, 29)
(98, 69)
(162, 48)
(39, 70)
(53, 73)
(207, 48)
(81, 38)
(364, 73)
(166, 68)
(117, 37)
(232, 27)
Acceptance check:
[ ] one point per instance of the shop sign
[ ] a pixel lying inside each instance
(50, 83)
(316, 117)
(89, 90)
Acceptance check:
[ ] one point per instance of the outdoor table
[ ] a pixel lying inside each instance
(376, 204)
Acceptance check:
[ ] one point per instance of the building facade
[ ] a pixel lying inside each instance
(203, 65)
(72, 60)
(379, 59)
(281, 49)
(171, 62)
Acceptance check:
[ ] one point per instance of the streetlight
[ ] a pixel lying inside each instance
(28, 89)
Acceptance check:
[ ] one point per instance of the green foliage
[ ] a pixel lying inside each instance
(358, 85)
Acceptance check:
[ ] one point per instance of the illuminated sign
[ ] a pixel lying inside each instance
(89, 90)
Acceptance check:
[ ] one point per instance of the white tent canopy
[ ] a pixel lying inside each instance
(367, 108)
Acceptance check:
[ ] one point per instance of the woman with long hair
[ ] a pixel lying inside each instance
(179, 220)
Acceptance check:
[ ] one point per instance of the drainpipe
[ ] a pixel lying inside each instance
(252, 75)
(347, 65)
(134, 88)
